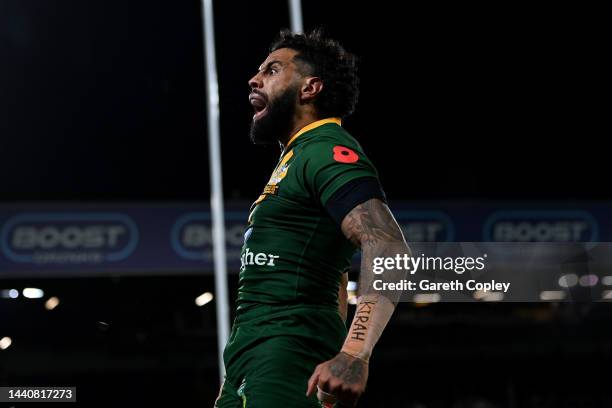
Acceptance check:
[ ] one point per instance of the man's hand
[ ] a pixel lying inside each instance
(344, 377)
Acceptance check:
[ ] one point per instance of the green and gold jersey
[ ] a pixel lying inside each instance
(294, 252)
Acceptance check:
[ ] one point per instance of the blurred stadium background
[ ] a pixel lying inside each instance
(482, 122)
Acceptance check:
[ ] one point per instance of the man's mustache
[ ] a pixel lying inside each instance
(259, 93)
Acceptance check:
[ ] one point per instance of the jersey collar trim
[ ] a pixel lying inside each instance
(312, 126)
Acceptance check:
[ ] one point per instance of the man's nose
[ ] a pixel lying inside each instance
(255, 82)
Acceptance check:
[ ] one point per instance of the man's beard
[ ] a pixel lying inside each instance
(277, 122)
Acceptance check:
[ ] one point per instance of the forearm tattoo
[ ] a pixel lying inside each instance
(371, 227)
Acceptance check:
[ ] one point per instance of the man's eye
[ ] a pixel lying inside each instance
(273, 71)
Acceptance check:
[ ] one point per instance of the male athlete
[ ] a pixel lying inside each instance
(289, 346)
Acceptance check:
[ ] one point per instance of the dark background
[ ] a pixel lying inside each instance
(104, 101)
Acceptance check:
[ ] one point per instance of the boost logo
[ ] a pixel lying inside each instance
(541, 226)
(68, 238)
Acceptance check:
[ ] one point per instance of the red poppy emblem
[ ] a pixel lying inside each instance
(345, 155)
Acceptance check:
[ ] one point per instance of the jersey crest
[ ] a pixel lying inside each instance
(277, 176)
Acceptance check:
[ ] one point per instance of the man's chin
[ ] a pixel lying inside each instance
(273, 123)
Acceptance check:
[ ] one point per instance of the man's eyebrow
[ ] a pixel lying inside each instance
(269, 64)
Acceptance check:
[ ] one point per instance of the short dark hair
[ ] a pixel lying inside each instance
(328, 60)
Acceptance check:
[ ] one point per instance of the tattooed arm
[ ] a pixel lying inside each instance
(371, 227)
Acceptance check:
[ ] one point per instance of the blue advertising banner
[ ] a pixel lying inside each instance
(92, 240)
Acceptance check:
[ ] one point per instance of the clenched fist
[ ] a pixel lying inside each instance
(344, 377)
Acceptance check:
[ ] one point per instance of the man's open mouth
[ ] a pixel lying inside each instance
(259, 104)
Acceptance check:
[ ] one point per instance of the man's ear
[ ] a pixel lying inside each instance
(310, 89)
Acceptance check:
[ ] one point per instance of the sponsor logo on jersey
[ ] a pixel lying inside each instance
(259, 259)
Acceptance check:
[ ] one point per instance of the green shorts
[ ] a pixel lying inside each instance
(272, 352)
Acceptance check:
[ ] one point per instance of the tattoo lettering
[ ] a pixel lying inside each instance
(362, 316)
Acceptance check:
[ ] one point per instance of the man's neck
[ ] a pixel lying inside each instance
(298, 123)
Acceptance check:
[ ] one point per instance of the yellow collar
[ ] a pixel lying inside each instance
(313, 125)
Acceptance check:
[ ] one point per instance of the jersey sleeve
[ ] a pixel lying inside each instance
(330, 167)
